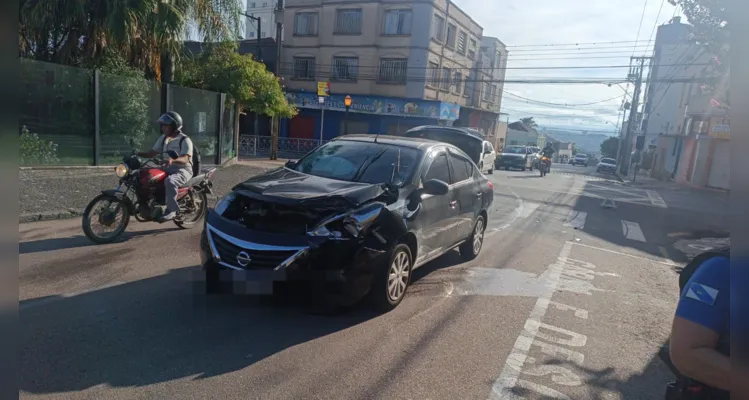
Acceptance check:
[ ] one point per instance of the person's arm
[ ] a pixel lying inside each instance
(185, 154)
(155, 150)
(701, 316)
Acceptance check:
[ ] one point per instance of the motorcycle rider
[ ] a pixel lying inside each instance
(547, 152)
(179, 169)
(700, 334)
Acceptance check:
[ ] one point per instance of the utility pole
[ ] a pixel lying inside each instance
(636, 75)
(258, 57)
(275, 128)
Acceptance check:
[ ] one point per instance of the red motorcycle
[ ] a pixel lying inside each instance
(544, 165)
(141, 194)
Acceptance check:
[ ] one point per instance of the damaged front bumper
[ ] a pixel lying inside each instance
(259, 263)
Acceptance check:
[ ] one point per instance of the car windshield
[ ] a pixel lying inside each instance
(515, 150)
(608, 161)
(352, 161)
(581, 156)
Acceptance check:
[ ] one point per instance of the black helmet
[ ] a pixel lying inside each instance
(548, 144)
(171, 118)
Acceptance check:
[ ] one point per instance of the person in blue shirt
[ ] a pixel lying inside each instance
(701, 327)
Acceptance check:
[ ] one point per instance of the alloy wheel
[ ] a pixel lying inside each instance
(398, 274)
(478, 236)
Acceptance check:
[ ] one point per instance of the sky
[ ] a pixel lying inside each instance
(524, 25)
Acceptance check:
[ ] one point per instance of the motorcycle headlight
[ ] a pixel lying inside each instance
(121, 171)
(224, 203)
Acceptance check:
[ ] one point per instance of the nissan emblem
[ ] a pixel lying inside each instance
(243, 258)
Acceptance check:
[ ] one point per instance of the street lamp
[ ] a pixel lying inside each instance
(321, 101)
(347, 103)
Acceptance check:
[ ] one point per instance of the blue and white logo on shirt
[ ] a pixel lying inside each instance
(702, 293)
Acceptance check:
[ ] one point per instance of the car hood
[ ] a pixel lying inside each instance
(603, 164)
(287, 186)
(512, 155)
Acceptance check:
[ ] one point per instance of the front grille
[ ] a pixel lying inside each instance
(259, 259)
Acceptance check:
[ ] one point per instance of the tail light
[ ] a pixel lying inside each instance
(491, 186)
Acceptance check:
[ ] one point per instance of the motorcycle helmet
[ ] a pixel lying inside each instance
(171, 118)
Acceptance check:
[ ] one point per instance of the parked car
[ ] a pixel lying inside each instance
(516, 157)
(480, 151)
(607, 165)
(536, 155)
(580, 159)
(354, 217)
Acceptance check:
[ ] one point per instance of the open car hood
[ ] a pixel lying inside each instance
(290, 187)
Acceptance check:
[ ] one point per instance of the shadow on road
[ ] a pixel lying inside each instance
(158, 330)
(70, 242)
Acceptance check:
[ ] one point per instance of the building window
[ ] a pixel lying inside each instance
(348, 21)
(458, 82)
(265, 4)
(263, 34)
(434, 77)
(393, 70)
(304, 68)
(445, 78)
(305, 24)
(397, 22)
(252, 5)
(438, 28)
(494, 94)
(487, 92)
(498, 59)
(472, 49)
(451, 32)
(462, 39)
(252, 35)
(345, 68)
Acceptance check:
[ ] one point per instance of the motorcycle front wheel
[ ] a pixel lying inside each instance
(116, 216)
(201, 208)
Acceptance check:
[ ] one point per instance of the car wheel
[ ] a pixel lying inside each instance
(481, 167)
(391, 281)
(507, 168)
(471, 248)
(491, 171)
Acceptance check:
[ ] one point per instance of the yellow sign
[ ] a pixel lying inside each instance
(720, 128)
(323, 88)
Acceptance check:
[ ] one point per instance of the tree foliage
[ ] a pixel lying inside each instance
(72, 32)
(529, 122)
(709, 19)
(610, 146)
(220, 68)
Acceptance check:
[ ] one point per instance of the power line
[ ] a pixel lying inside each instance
(574, 44)
(561, 104)
(655, 24)
(291, 64)
(579, 48)
(642, 17)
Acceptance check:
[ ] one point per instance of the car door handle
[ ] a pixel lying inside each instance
(453, 203)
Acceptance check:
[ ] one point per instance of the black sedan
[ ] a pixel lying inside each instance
(354, 217)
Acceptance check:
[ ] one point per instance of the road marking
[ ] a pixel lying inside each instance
(656, 199)
(528, 209)
(516, 213)
(608, 203)
(578, 222)
(502, 388)
(632, 231)
(669, 262)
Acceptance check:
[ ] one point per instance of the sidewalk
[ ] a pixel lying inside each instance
(48, 194)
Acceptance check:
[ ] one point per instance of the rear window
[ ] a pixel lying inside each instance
(581, 156)
(608, 161)
(515, 150)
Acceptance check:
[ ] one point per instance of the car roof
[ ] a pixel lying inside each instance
(415, 143)
(472, 133)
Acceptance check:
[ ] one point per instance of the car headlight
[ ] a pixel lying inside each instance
(121, 170)
(224, 203)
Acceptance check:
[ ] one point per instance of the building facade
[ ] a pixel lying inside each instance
(265, 10)
(485, 87)
(403, 64)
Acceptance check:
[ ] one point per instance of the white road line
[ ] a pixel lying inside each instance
(528, 209)
(515, 214)
(632, 231)
(656, 199)
(502, 388)
(578, 222)
(667, 262)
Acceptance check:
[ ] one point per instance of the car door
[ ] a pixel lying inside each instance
(467, 195)
(529, 157)
(437, 212)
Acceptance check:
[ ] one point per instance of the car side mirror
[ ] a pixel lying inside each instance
(290, 164)
(436, 187)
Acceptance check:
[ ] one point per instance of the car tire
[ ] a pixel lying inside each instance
(481, 167)
(471, 248)
(507, 168)
(382, 298)
(522, 168)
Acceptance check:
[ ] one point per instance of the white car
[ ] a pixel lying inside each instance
(580, 159)
(488, 158)
(469, 140)
(607, 165)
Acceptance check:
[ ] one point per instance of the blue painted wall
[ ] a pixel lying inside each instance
(333, 119)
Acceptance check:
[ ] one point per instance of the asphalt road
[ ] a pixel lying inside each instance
(569, 297)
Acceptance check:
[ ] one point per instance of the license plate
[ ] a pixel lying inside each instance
(253, 282)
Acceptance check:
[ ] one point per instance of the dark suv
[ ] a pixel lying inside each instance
(353, 217)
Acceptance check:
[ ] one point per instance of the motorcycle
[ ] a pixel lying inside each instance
(141, 194)
(544, 165)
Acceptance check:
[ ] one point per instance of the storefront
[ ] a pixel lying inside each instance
(367, 114)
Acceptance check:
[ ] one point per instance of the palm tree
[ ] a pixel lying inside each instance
(148, 33)
(529, 122)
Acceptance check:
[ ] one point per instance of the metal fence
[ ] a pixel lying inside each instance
(259, 146)
(77, 116)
